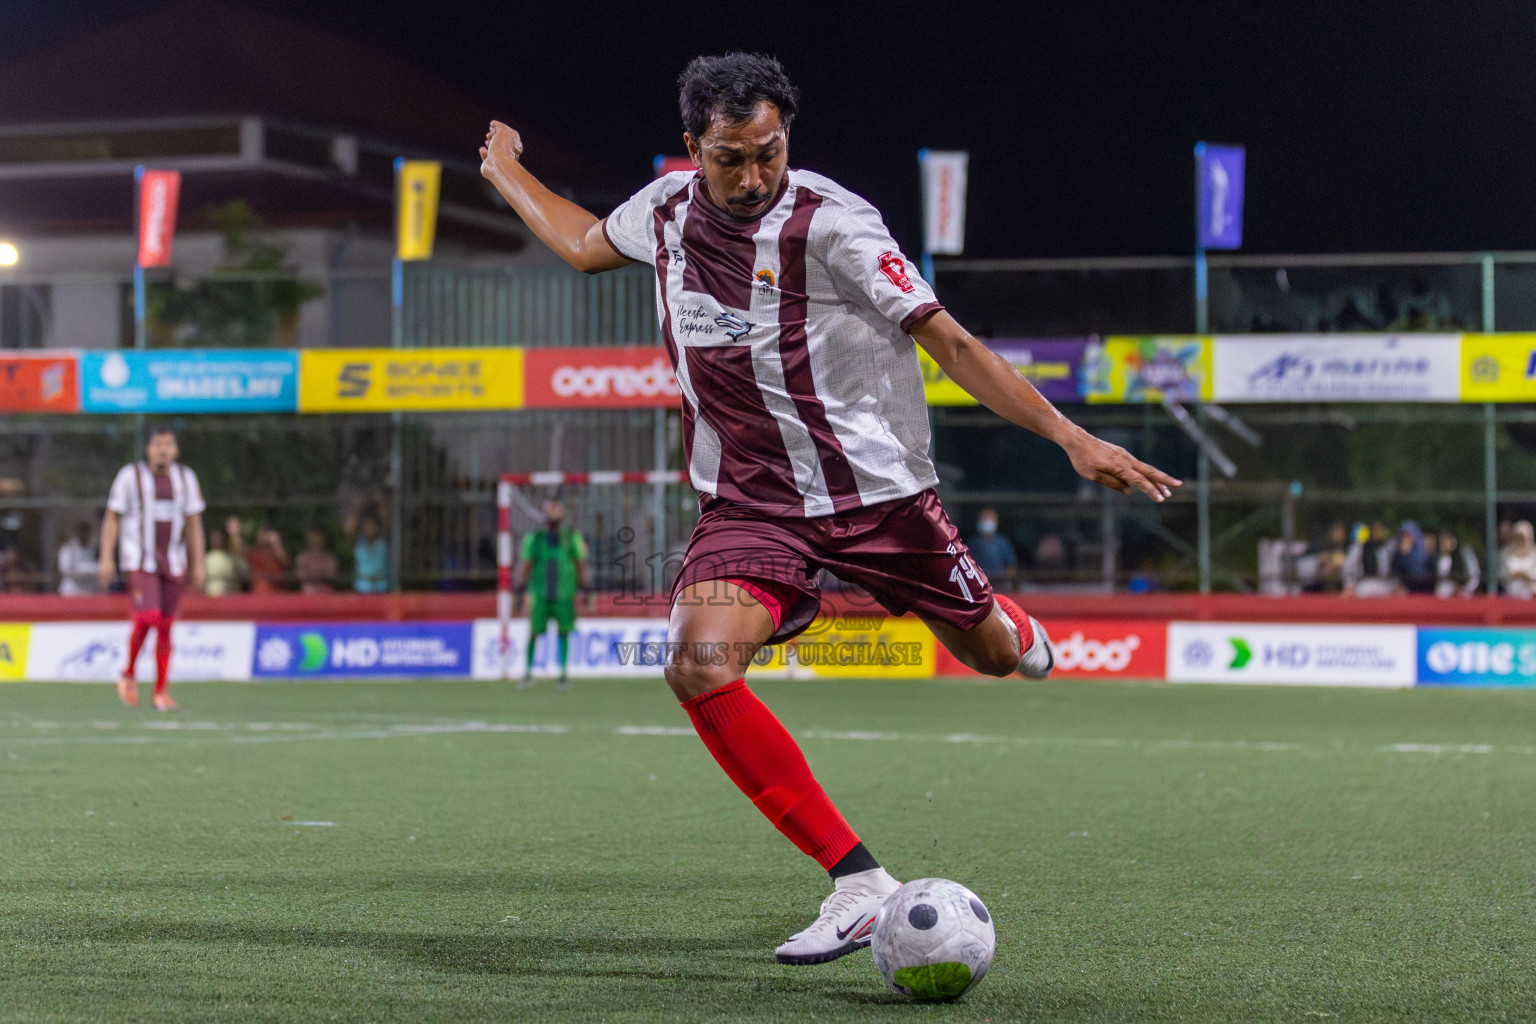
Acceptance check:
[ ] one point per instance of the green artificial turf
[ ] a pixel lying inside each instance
(1148, 853)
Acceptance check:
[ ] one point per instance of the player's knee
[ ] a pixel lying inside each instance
(996, 660)
(693, 669)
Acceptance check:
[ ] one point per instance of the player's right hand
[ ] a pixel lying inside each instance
(503, 147)
(105, 573)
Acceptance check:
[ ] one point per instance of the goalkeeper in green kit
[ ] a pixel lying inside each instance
(553, 564)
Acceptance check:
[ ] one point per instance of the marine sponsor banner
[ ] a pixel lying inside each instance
(1094, 649)
(356, 649)
(1144, 369)
(1477, 657)
(1338, 368)
(1498, 368)
(35, 383)
(95, 652)
(14, 637)
(1302, 654)
(600, 378)
(600, 647)
(383, 380)
(189, 381)
(1052, 365)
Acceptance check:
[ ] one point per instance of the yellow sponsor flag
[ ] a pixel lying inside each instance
(13, 651)
(417, 184)
(389, 379)
(1498, 367)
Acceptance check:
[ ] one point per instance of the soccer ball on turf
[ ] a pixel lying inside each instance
(933, 939)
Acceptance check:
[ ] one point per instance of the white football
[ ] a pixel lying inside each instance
(933, 939)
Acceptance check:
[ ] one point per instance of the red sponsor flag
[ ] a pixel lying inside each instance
(159, 192)
(599, 378)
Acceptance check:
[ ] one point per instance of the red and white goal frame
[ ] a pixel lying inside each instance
(506, 495)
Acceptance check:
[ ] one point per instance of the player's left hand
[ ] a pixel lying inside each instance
(1117, 469)
(503, 146)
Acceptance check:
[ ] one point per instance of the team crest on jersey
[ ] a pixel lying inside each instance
(735, 327)
(765, 280)
(895, 271)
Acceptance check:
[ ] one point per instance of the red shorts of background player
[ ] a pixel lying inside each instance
(154, 592)
(904, 552)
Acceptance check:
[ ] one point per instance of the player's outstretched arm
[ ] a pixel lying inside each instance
(995, 383)
(575, 235)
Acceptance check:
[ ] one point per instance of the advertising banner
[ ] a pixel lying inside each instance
(418, 183)
(14, 637)
(33, 383)
(350, 650)
(944, 180)
(1094, 649)
(1052, 365)
(95, 652)
(600, 647)
(159, 192)
(383, 379)
(1338, 368)
(1477, 657)
(854, 646)
(1143, 369)
(189, 381)
(599, 378)
(1302, 654)
(1498, 368)
(1219, 174)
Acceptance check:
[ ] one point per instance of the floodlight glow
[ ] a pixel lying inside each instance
(8, 254)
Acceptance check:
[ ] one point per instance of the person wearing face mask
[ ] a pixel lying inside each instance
(992, 552)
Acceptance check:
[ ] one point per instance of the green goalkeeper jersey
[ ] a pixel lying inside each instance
(552, 559)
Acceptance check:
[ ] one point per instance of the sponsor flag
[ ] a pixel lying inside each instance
(944, 174)
(1219, 195)
(418, 183)
(664, 164)
(159, 192)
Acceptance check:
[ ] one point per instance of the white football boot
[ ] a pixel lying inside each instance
(846, 922)
(1038, 661)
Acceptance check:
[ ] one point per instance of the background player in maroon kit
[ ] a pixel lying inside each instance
(154, 519)
(790, 315)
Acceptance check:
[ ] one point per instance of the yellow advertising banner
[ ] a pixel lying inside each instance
(1143, 369)
(1055, 375)
(855, 646)
(13, 651)
(428, 379)
(1498, 367)
(418, 183)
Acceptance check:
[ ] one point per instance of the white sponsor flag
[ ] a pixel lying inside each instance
(943, 200)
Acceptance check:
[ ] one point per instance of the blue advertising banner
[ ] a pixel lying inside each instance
(190, 380)
(353, 649)
(1477, 657)
(1219, 195)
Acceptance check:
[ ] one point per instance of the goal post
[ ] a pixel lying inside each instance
(509, 498)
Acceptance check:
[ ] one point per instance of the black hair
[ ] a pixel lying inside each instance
(154, 430)
(731, 87)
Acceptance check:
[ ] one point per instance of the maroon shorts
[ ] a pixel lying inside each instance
(154, 592)
(905, 553)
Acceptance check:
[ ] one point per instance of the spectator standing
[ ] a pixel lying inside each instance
(992, 552)
(1412, 563)
(1517, 562)
(370, 556)
(1457, 572)
(77, 563)
(225, 572)
(1329, 560)
(316, 566)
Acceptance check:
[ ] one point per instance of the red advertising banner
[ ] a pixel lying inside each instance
(598, 378)
(159, 192)
(39, 383)
(1095, 649)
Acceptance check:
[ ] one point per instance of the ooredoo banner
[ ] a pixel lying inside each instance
(1301, 654)
(603, 378)
(1094, 649)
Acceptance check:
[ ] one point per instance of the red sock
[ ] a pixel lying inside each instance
(143, 622)
(765, 762)
(1020, 621)
(162, 654)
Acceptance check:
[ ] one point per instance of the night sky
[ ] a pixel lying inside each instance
(1391, 126)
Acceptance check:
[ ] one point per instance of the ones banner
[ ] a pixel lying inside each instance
(383, 379)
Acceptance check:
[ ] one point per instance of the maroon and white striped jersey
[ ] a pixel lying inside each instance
(154, 508)
(802, 391)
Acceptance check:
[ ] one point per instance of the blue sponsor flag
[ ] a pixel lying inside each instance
(1219, 195)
